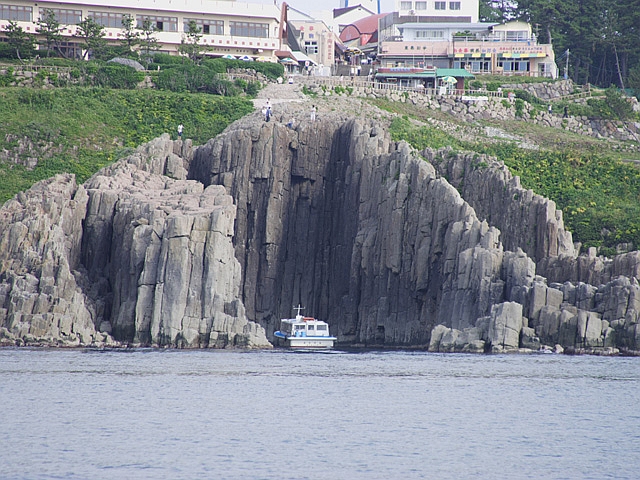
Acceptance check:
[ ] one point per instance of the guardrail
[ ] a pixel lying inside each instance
(26, 67)
(355, 82)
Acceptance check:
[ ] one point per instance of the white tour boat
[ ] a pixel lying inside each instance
(304, 332)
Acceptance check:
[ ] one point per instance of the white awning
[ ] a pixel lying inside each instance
(301, 57)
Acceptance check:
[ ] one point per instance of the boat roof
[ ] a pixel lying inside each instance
(301, 319)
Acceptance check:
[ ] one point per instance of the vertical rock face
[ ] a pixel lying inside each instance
(175, 246)
(363, 234)
(41, 301)
(526, 220)
(164, 248)
(154, 258)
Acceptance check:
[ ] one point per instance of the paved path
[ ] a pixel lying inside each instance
(279, 93)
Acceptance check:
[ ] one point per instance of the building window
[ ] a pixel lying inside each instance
(421, 5)
(473, 66)
(67, 17)
(209, 27)
(454, 5)
(162, 24)
(16, 13)
(311, 48)
(517, 36)
(405, 5)
(107, 20)
(441, 5)
(249, 29)
(514, 66)
(70, 49)
(430, 34)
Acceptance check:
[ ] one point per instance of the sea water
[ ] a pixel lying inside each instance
(156, 414)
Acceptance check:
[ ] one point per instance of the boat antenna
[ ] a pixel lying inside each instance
(298, 308)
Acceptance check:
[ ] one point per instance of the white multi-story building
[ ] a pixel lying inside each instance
(228, 27)
(447, 34)
(462, 10)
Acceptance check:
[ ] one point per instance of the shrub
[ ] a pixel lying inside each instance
(193, 78)
(7, 51)
(222, 65)
(527, 97)
(166, 59)
(115, 75)
(252, 89)
(519, 104)
(7, 79)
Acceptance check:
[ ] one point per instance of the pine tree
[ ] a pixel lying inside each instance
(92, 34)
(21, 41)
(49, 27)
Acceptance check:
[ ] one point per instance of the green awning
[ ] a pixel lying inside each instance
(453, 72)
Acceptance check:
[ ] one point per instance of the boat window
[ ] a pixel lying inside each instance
(299, 327)
(322, 327)
(310, 327)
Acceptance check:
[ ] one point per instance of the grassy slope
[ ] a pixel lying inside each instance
(83, 129)
(599, 194)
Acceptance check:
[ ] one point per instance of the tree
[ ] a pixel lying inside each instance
(92, 34)
(602, 35)
(497, 10)
(50, 28)
(148, 43)
(130, 37)
(633, 80)
(190, 45)
(21, 41)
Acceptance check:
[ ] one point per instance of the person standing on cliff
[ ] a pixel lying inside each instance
(180, 127)
(313, 113)
(550, 109)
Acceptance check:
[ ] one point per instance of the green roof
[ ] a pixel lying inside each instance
(453, 72)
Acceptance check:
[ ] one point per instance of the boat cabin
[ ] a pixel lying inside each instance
(304, 327)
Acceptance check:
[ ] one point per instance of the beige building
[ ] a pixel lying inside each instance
(454, 42)
(312, 38)
(228, 27)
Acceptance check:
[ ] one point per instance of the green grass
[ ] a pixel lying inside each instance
(598, 194)
(80, 130)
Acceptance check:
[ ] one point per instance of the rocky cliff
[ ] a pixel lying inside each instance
(211, 246)
(137, 255)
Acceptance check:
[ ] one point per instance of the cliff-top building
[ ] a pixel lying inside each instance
(228, 27)
(447, 34)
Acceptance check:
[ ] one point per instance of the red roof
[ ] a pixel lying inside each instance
(367, 24)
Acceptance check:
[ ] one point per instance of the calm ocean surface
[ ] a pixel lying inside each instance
(149, 414)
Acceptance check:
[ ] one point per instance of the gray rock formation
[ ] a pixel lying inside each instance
(155, 259)
(526, 220)
(175, 246)
(41, 299)
(368, 236)
(363, 234)
(128, 62)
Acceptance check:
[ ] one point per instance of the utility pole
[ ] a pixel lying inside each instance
(566, 65)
